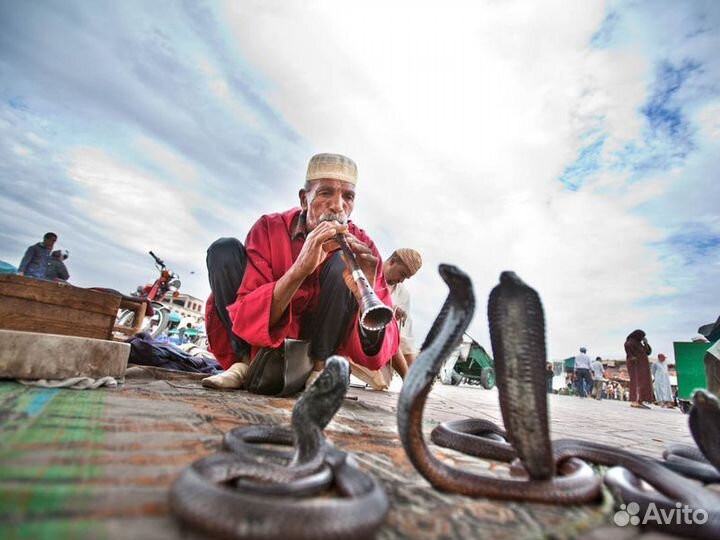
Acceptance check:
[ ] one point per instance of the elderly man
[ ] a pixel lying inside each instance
(35, 261)
(289, 281)
(401, 265)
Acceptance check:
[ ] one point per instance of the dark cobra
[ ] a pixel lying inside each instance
(552, 472)
(575, 483)
(313, 491)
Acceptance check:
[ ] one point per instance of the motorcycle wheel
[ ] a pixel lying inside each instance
(154, 325)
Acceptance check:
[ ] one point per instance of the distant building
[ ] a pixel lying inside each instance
(191, 309)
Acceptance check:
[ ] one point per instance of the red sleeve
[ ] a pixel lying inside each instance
(217, 335)
(251, 312)
(391, 340)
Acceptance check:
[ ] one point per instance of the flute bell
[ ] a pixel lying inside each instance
(374, 315)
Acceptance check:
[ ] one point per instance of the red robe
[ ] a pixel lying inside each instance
(271, 250)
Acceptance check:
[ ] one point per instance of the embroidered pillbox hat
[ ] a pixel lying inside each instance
(410, 258)
(332, 166)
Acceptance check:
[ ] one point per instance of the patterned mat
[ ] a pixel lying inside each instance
(95, 464)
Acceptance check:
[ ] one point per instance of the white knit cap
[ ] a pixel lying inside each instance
(332, 166)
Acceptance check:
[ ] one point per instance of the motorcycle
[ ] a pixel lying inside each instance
(167, 283)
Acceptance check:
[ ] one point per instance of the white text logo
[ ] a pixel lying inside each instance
(680, 515)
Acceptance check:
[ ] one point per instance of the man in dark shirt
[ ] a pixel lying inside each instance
(34, 262)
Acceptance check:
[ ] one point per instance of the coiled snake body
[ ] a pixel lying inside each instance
(255, 492)
(556, 472)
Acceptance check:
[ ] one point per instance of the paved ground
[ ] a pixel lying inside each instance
(605, 421)
(99, 464)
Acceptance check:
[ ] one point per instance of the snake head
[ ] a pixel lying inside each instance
(704, 399)
(705, 425)
(322, 399)
(456, 280)
(514, 300)
(511, 279)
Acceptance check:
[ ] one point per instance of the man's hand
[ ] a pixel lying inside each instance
(311, 255)
(313, 252)
(401, 315)
(366, 260)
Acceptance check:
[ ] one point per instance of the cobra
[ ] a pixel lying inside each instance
(553, 471)
(249, 491)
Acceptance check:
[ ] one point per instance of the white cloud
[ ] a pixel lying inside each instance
(21, 150)
(647, 190)
(135, 209)
(220, 88)
(35, 139)
(708, 120)
(174, 164)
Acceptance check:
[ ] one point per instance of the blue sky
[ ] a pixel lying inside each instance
(575, 145)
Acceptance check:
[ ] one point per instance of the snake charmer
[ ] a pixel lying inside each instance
(289, 281)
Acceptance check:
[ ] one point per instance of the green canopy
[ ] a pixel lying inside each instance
(188, 332)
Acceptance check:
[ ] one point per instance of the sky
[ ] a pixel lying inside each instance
(575, 144)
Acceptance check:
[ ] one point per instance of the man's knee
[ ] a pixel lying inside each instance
(223, 246)
(226, 253)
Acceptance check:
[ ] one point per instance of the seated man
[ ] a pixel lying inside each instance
(289, 281)
(401, 265)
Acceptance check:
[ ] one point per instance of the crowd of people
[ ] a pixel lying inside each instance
(648, 383)
(607, 389)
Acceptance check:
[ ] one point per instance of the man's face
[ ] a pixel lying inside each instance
(327, 199)
(396, 271)
(49, 242)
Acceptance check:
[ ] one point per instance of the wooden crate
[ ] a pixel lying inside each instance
(50, 307)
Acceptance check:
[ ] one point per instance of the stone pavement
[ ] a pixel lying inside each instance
(98, 464)
(605, 421)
